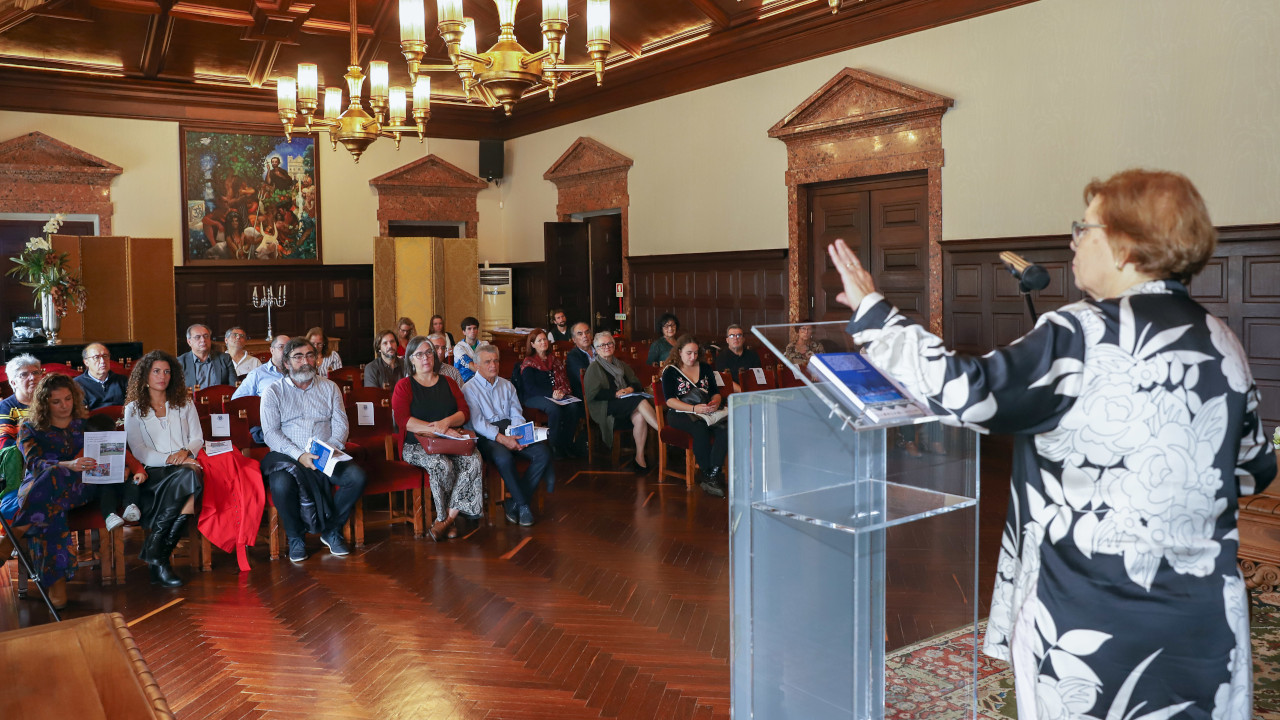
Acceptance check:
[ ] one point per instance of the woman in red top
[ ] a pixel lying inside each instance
(427, 402)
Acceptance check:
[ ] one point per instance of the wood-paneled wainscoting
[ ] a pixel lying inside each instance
(338, 298)
(708, 291)
(1241, 284)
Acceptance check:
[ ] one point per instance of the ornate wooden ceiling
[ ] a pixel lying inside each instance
(217, 60)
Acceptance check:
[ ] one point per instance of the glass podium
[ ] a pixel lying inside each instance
(849, 541)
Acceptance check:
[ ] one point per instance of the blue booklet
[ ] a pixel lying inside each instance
(870, 390)
(527, 434)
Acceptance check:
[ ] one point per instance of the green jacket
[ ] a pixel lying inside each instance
(597, 384)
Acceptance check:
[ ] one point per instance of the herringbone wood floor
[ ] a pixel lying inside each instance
(615, 605)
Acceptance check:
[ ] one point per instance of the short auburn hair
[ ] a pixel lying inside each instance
(1157, 220)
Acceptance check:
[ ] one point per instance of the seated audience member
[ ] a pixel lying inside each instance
(52, 443)
(669, 326)
(543, 380)
(101, 386)
(386, 369)
(437, 328)
(263, 375)
(163, 431)
(202, 366)
(113, 496)
(241, 359)
(464, 353)
(692, 399)
(579, 357)
(607, 380)
(300, 408)
(444, 352)
(804, 347)
(405, 331)
(736, 356)
(24, 372)
(329, 360)
(427, 402)
(494, 408)
(559, 330)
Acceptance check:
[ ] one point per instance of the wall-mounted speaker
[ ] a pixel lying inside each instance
(491, 159)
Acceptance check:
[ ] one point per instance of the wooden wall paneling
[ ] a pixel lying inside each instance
(153, 310)
(708, 291)
(1240, 285)
(529, 294)
(219, 297)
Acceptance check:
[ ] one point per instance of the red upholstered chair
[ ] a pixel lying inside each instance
(64, 368)
(386, 473)
(245, 414)
(749, 383)
(787, 378)
(368, 436)
(5, 389)
(353, 376)
(263, 357)
(671, 436)
(115, 412)
(212, 398)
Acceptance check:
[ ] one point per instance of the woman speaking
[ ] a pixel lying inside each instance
(1136, 431)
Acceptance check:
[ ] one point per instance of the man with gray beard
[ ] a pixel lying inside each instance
(297, 409)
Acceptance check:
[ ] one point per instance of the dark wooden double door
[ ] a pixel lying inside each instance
(886, 222)
(583, 266)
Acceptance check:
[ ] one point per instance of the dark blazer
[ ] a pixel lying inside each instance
(575, 362)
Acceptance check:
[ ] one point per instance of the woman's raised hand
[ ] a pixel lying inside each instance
(856, 280)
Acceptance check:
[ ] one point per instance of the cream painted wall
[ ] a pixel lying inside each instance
(1048, 95)
(147, 195)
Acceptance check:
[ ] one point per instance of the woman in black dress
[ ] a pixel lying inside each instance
(693, 405)
(607, 379)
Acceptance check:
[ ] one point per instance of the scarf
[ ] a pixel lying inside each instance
(549, 364)
(615, 368)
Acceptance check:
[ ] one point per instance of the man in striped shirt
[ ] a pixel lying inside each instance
(297, 409)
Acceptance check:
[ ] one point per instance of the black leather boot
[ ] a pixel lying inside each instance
(158, 536)
(162, 572)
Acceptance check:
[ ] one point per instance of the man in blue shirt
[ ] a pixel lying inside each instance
(494, 408)
(260, 377)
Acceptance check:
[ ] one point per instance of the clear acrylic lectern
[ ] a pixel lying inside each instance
(849, 541)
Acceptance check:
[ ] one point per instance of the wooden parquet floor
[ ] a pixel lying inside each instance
(615, 605)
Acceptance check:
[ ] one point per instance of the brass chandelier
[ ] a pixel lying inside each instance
(499, 76)
(354, 127)
(505, 72)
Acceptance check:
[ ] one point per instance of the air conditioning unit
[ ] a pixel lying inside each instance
(495, 299)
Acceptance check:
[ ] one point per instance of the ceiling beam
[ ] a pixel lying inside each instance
(713, 12)
(264, 59)
(625, 42)
(155, 46)
(380, 18)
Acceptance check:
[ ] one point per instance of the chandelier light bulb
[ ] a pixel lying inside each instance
(332, 103)
(597, 20)
(286, 93)
(413, 21)
(308, 82)
(506, 11)
(449, 11)
(555, 10)
(378, 80)
(469, 35)
(397, 105)
(422, 93)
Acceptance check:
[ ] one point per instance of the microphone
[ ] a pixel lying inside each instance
(1030, 276)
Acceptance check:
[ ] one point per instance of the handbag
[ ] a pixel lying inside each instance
(433, 444)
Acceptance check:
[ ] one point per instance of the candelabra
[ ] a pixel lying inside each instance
(270, 299)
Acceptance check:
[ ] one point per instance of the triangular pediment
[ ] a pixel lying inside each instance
(430, 172)
(856, 98)
(37, 152)
(586, 156)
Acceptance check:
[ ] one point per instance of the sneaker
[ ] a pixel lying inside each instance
(711, 488)
(113, 521)
(526, 516)
(132, 514)
(509, 509)
(297, 549)
(333, 541)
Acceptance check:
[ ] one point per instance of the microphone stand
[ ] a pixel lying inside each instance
(1031, 308)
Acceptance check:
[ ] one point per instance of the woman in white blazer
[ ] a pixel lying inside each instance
(164, 434)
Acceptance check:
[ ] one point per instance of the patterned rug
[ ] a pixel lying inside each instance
(928, 679)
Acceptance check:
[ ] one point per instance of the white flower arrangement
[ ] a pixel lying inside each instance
(1275, 439)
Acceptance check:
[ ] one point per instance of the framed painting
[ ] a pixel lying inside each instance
(249, 198)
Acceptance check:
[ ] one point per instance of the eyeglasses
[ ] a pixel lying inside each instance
(1078, 229)
(202, 336)
(422, 355)
(30, 374)
(99, 356)
(604, 345)
(242, 336)
(669, 325)
(300, 356)
(731, 336)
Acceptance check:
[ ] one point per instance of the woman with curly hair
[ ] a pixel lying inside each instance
(52, 442)
(164, 434)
